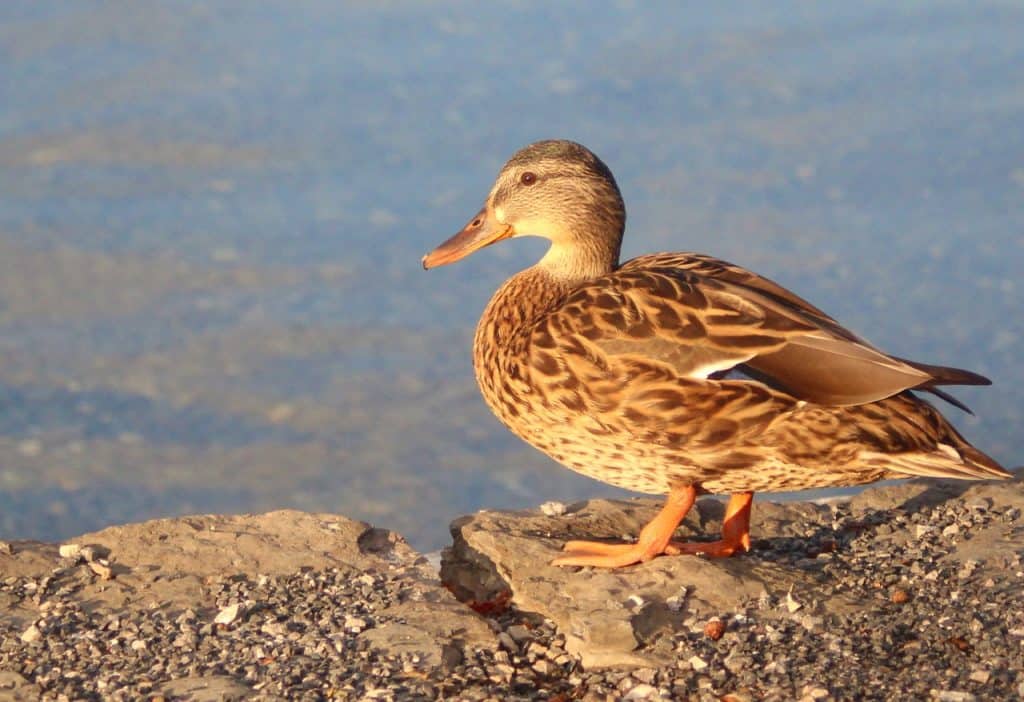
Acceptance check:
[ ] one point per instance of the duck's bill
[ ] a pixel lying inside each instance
(481, 231)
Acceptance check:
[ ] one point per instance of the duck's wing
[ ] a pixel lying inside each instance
(699, 326)
(717, 269)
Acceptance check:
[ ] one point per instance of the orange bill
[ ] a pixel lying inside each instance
(484, 229)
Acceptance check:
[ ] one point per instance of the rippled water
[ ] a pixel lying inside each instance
(211, 219)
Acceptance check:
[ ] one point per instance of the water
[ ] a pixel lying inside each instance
(212, 215)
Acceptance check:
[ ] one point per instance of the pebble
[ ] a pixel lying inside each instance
(791, 604)
(714, 629)
(697, 663)
(31, 634)
(642, 691)
(953, 696)
(70, 551)
(519, 633)
(507, 642)
(102, 568)
(229, 614)
(553, 508)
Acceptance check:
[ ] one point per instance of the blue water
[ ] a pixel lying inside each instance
(212, 215)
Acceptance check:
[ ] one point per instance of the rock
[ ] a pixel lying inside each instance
(791, 604)
(229, 614)
(15, 688)
(953, 696)
(714, 629)
(70, 551)
(643, 691)
(626, 616)
(214, 688)
(165, 564)
(289, 605)
(102, 569)
(31, 634)
(553, 509)
(520, 634)
(697, 663)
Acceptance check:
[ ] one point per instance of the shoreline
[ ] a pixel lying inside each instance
(912, 590)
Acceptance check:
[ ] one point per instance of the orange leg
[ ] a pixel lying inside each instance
(735, 531)
(655, 538)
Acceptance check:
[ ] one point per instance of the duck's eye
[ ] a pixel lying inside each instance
(528, 178)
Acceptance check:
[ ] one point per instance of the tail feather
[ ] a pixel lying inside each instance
(945, 375)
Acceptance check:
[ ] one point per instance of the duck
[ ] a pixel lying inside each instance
(681, 374)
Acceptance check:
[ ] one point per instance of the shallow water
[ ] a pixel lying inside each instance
(212, 215)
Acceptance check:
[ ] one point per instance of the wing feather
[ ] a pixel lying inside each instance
(697, 316)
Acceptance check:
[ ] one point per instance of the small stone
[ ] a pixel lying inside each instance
(95, 552)
(102, 569)
(953, 696)
(791, 604)
(520, 634)
(553, 508)
(980, 676)
(714, 629)
(735, 662)
(70, 551)
(899, 596)
(951, 530)
(812, 623)
(643, 691)
(138, 645)
(542, 667)
(354, 624)
(31, 634)
(980, 504)
(922, 530)
(229, 614)
(507, 642)
(646, 675)
(6, 549)
(698, 664)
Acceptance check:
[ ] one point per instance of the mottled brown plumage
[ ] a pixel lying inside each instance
(678, 373)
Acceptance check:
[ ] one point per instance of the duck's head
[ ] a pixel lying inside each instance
(554, 189)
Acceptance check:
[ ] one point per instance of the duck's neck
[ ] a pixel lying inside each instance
(579, 262)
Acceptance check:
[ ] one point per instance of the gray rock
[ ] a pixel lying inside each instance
(626, 616)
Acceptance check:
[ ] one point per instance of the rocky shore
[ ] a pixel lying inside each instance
(914, 591)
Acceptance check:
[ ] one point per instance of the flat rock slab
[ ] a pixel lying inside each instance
(172, 564)
(631, 616)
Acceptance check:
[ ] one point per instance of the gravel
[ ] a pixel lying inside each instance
(931, 628)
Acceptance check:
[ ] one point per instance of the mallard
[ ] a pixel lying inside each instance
(681, 374)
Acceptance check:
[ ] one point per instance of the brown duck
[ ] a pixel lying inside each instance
(682, 374)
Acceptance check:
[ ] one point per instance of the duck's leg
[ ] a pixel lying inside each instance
(653, 539)
(735, 531)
